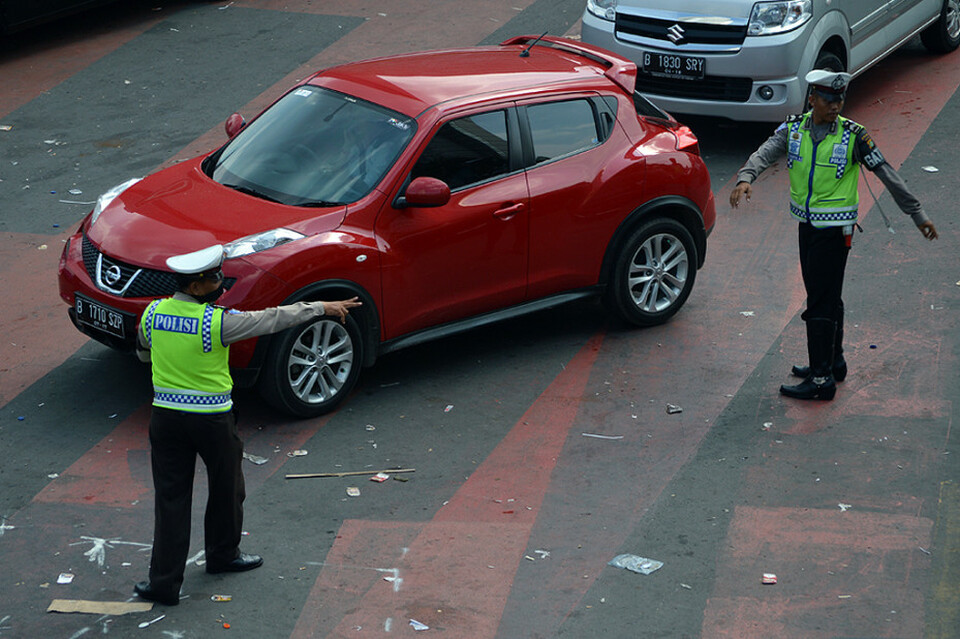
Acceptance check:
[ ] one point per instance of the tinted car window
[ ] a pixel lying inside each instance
(314, 147)
(561, 128)
(466, 151)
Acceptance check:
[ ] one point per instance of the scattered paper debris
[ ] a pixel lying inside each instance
(419, 626)
(768, 578)
(673, 409)
(931, 169)
(595, 436)
(371, 427)
(635, 563)
(221, 598)
(748, 313)
(448, 408)
(767, 425)
(380, 477)
(98, 607)
(297, 453)
(353, 491)
(65, 578)
(843, 507)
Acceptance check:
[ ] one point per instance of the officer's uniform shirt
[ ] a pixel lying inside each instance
(238, 325)
(865, 152)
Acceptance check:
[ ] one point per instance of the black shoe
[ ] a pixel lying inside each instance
(242, 563)
(145, 591)
(812, 388)
(839, 371)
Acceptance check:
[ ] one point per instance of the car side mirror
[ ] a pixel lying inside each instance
(425, 192)
(233, 125)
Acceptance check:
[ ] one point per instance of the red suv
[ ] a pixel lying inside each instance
(447, 189)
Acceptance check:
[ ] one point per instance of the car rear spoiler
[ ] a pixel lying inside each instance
(621, 71)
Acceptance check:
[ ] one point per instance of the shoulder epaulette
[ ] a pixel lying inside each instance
(852, 126)
(796, 117)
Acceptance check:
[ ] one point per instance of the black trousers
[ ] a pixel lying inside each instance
(176, 438)
(823, 261)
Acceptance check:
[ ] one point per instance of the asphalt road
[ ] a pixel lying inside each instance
(506, 526)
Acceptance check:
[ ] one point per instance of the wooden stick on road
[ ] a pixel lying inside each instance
(349, 473)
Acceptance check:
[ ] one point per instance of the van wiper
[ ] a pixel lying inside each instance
(253, 192)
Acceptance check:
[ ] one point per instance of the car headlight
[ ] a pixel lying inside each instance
(260, 242)
(771, 18)
(604, 9)
(109, 196)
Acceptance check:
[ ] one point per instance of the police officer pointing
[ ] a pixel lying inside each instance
(188, 343)
(824, 153)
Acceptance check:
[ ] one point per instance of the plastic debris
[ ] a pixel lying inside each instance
(75, 192)
(931, 169)
(419, 626)
(380, 477)
(767, 425)
(748, 313)
(595, 436)
(6, 127)
(673, 409)
(353, 491)
(65, 578)
(448, 408)
(635, 563)
(144, 624)
(843, 507)
(768, 578)
(297, 453)
(371, 427)
(256, 459)
(221, 598)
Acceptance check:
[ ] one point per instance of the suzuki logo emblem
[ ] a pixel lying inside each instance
(675, 34)
(111, 275)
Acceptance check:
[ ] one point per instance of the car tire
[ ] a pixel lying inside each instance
(943, 36)
(653, 273)
(312, 367)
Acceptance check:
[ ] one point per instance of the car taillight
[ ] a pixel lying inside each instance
(686, 140)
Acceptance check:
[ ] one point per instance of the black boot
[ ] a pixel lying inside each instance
(839, 368)
(819, 384)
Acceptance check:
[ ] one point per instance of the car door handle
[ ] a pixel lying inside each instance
(508, 211)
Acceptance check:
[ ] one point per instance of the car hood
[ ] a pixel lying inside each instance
(180, 209)
(674, 8)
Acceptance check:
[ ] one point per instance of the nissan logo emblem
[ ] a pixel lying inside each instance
(675, 34)
(111, 275)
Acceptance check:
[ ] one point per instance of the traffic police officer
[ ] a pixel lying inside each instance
(187, 340)
(824, 153)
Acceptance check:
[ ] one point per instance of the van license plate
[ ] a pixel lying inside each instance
(668, 65)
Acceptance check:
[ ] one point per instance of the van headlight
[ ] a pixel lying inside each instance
(603, 9)
(771, 18)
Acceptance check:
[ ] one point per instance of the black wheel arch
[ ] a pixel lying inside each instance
(367, 317)
(674, 207)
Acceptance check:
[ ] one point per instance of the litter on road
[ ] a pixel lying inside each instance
(98, 607)
(635, 563)
(602, 436)
(349, 473)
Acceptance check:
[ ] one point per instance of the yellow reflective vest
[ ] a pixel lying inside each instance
(823, 175)
(189, 359)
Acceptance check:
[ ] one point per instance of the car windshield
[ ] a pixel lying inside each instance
(314, 147)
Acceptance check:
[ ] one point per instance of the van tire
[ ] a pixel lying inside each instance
(943, 36)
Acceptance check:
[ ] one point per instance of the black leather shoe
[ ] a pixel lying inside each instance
(145, 591)
(839, 371)
(812, 388)
(242, 563)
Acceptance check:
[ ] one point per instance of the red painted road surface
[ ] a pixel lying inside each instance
(852, 503)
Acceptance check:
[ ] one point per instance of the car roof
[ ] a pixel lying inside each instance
(415, 82)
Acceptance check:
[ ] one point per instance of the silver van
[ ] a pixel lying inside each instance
(745, 60)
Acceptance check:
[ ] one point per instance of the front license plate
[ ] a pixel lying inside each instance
(98, 316)
(669, 65)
